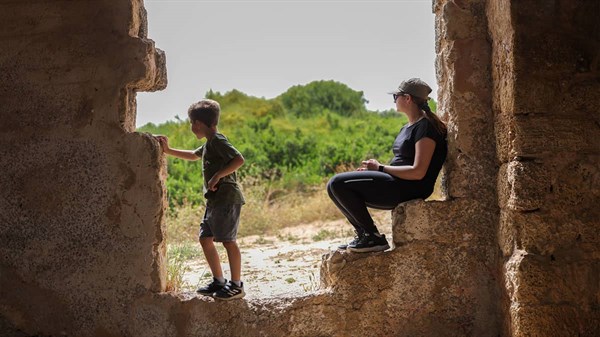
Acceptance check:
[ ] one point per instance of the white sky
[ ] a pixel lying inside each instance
(264, 47)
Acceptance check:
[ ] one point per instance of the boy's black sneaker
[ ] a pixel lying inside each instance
(230, 292)
(211, 288)
(353, 242)
(369, 243)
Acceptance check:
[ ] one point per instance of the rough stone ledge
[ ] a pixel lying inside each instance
(412, 280)
(399, 293)
(460, 221)
(186, 314)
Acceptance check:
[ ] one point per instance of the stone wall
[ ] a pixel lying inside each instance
(512, 251)
(547, 92)
(81, 199)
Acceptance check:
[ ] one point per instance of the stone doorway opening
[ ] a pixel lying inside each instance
(287, 261)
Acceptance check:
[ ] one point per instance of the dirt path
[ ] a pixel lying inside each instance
(286, 264)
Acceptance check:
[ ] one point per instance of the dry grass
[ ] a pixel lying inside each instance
(177, 254)
(266, 212)
(183, 223)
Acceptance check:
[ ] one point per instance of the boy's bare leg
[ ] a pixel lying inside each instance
(235, 259)
(212, 256)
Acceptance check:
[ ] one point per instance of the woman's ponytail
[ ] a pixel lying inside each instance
(433, 118)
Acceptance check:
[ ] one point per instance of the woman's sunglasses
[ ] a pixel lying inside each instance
(398, 95)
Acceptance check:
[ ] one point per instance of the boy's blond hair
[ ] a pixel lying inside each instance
(207, 111)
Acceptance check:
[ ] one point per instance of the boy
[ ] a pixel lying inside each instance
(224, 198)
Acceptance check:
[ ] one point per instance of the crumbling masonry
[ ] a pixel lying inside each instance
(513, 251)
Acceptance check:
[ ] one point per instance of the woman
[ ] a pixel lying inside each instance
(419, 152)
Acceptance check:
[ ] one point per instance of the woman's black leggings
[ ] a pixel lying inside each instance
(353, 192)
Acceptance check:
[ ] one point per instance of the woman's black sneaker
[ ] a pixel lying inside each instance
(211, 288)
(230, 291)
(353, 242)
(369, 243)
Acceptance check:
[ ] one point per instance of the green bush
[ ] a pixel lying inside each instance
(294, 141)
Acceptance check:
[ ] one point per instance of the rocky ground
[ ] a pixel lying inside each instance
(286, 264)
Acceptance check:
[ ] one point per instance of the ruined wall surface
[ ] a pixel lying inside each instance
(457, 237)
(443, 278)
(546, 95)
(512, 251)
(80, 197)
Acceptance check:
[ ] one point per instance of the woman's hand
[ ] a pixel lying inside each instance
(369, 165)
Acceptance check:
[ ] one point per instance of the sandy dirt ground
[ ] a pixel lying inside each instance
(286, 264)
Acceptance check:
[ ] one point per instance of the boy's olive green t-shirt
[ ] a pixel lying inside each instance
(215, 154)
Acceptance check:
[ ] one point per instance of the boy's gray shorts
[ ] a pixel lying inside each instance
(221, 222)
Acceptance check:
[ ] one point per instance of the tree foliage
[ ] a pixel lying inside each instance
(323, 96)
(296, 140)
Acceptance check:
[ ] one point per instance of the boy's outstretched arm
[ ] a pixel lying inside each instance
(231, 167)
(182, 154)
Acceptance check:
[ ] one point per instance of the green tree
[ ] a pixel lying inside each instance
(318, 96)
(288, 149)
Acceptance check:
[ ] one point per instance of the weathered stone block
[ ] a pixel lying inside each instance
(523, 186)
(538, 136)
(421, 276)
(505, 135)
(461, 222)
(460, 18)
(553, 321)
(546, 232)
(466, 177)
(508, 234)
(576, 185)
(546, 74)
(472, 74)
(569, 96)
(502, 65)
(553, 280)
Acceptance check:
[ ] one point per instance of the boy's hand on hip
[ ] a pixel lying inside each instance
(212, 183)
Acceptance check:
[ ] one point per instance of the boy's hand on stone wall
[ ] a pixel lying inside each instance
(164, 142)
